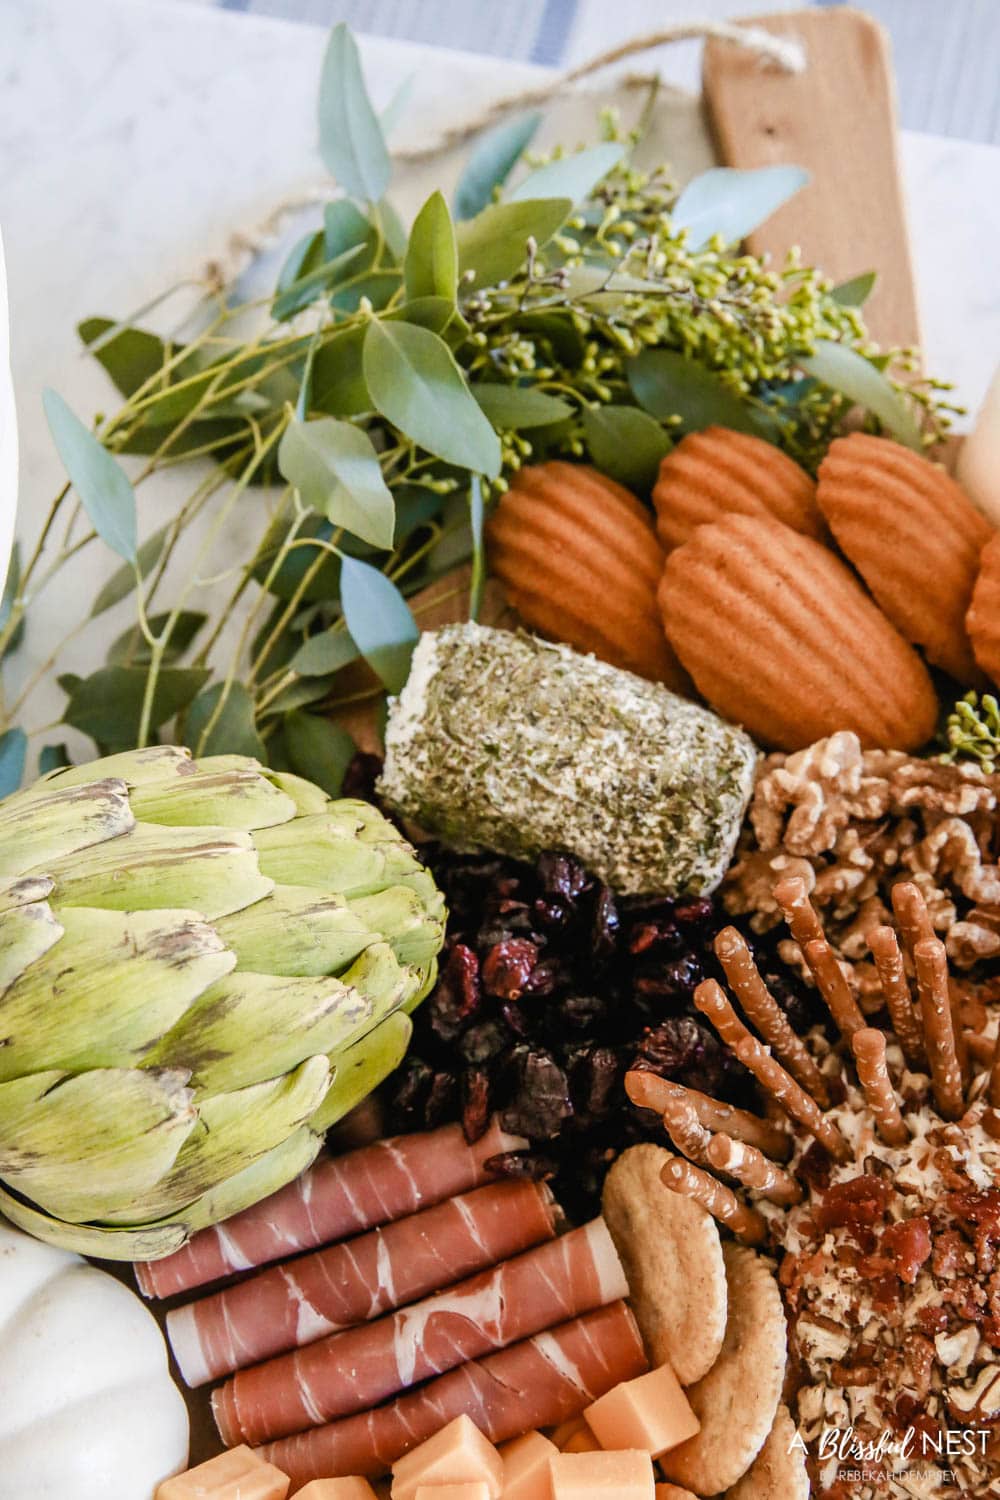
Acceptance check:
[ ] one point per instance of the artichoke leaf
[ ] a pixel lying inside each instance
(307, 796)
(298, 931)
(83, 1147)
(136, 767)
(90, 1239)
(361, 1068)
(213, 870)
(40, 829)
(105, 995)
(250, 1027)
(234, 1130)
(26, 934)
(337, 850)
(415, 933)
(24, 890)
(281, 1165)
(214, 797)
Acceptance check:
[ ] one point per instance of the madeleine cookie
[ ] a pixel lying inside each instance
(913, 535)
(983, 619)
(737, 1400)
(672, 1255)
(578, 559)
(719, 472)
(780, 637)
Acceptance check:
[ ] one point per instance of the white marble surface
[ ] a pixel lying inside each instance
(136, 134)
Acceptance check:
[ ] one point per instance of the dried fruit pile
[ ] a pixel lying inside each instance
(551, 989)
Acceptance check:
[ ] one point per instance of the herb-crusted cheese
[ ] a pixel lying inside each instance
(507, 742)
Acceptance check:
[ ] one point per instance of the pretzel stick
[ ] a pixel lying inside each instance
(760, 1007)
(869, 1054)
(681, 1177)
(829, 976)
(800, 1106)
(681, 1123)
(888, 956)
(752, 1169)
(912, 917)
(650, 1091)
(931, 961)
(961, 1045)
(800, 914)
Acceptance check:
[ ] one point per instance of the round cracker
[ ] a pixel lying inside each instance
(672, 1255)
(779, 1470)
(737, 1400)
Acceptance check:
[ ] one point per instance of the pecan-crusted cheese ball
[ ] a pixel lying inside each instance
(507, 742)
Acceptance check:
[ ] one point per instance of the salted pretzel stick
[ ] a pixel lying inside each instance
(746, 1223)
(760, 1007)
(800, 914)
(961, 1045)
(931, 962)
(888, 956)
(681, 1123)
(807, 930)
(800, 1106)
(650, 1091)
(869, 1054)
(753, 1170)
(912, 916)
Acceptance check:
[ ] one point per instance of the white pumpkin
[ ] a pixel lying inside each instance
(88, 1410)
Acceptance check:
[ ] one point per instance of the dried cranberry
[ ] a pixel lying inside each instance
(476, 1103)
(515, 1019)
(456, 997)
(440, 1103)
(508, 967)
(539, 1099)
(553, 913)
(679, 1045)
(695, 912)
(561, 875)
(545, 978)
(676, 980)
(606, 924)
(582, 1013)
(484, 1041)
(413, 1083)
(533, 1165)
(660, 934)
(594, 1075)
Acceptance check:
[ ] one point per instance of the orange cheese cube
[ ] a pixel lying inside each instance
(475, 1491)
(581, 1441)
(236, 1475)
(526, 1467)
(672, 1492)
(458, 1454)
(626, 1475)
(650, 1412)
(336, 1489)
(567, 1431)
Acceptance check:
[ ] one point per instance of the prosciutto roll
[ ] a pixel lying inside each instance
(537, 1383)
(356, 1370)
(336, 1197)
(287, 1306)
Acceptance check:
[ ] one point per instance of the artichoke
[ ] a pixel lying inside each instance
(203, 965)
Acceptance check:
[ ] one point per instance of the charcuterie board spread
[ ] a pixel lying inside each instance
(528, 1022)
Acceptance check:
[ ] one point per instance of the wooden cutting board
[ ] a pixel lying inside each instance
(838, 119)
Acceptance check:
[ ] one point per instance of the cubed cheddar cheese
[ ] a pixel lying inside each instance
(458, 1454)
(650, 1412)
(526, 1473)
(567, 1431)
(670, 1492)
(336, 1489)
(236, 1475)
(474, 1491)
(625, 1475)
(581, 1441)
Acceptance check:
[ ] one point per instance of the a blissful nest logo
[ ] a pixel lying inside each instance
(869, 1459)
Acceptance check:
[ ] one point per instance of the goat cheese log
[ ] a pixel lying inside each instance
(334, 1198)
(356, 1370)
(315, 1295)
(538, 1383)
(515, 744)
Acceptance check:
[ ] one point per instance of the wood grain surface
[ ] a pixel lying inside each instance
(838, 119)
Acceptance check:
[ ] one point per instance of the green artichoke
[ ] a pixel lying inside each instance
(203, 965)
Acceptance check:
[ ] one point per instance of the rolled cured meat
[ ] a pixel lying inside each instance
(287, 1306)
(356, 1370)
(336, 1197)
(537, 1383)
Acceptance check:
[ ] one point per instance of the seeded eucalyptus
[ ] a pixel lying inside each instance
(390, 385)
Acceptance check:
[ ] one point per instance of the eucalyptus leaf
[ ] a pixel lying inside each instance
(668, 384)
(131, 649)
(491, 161)
(100, 481)
(855, 293)
(298, 694)
(305, 255)
(107, 705)
(345, 227)
(13, 753)
(351, 142)
(393, 229)
(378, 288)
(842, 369)
(131, 357)
(123, 580)
(626, 444)
(324, 654)
(233, 730)
(52, 758)
(494, 245)
(731, 202)
(517, 406)
(379, 621)
(435, 313)
(477, 582)
(318, 750)
(573, 177)
(431, 265)
(12, 588)
(288, 580)
(416, 384)
(336, 471)
(338, 380)
(313, 284)
(397, 106)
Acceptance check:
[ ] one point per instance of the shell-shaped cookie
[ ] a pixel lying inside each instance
(719, 472)
(983, 619)
(913, 535)
(578, 559)
(779, 636)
